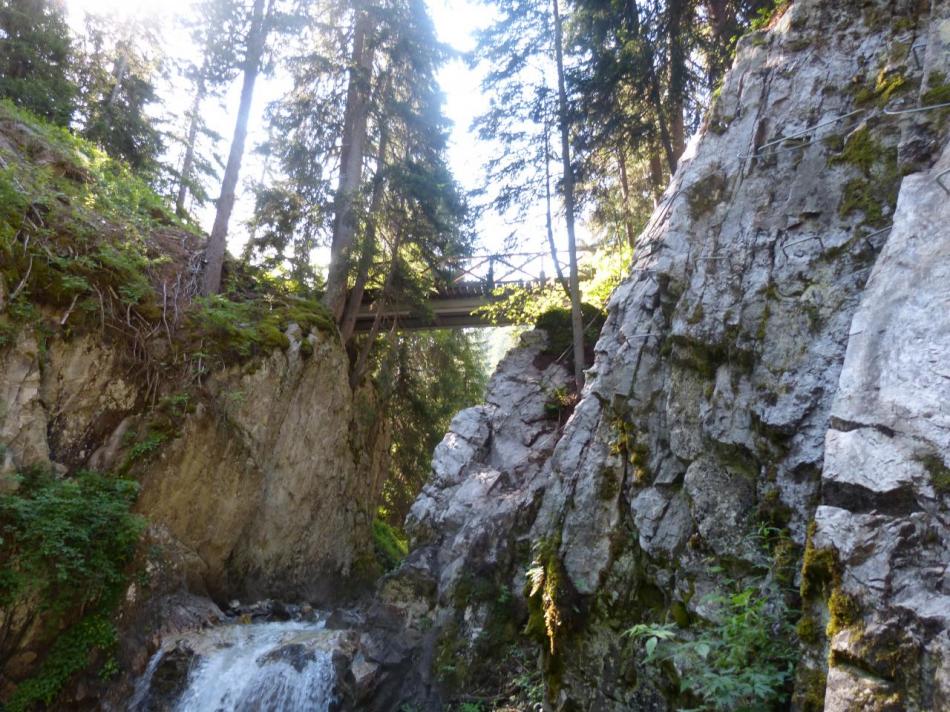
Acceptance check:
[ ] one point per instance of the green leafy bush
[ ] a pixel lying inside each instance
(769, 14)
(69, 655)
(741, 662)
(65, 545)
(66, 542)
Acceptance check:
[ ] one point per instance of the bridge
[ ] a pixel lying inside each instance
(478, 281)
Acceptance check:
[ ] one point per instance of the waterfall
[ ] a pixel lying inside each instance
(266, 667)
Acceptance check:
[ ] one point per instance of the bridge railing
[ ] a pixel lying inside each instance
(488, 271)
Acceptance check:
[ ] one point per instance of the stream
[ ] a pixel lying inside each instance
(257, 667)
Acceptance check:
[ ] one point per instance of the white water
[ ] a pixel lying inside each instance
(266, 667)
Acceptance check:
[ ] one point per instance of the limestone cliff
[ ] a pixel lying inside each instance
(261, 487)
(768, 405)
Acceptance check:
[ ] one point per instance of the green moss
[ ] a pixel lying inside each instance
(887, 84)
(904, 24)
(844, 611)
(938, 470)
(550, 596)
(821, 577)
(609, 485)
(808, 630)
(680, 614)
(696, 316)
(390, 545)
(819, 572)
(799, 43)
(809, 690)
(876, 189)
(706, 358)
(462, 663)
(860, 150)
(772, 512)
(449, 663)
(231, 330)
(938, 91)
(625, 445)
(704, 195)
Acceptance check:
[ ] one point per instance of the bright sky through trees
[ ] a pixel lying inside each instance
(456, 22)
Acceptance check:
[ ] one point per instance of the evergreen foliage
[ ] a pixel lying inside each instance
(424, 379)
(35, 58)
(117, 65)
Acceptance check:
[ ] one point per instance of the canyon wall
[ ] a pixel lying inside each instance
(768, 406)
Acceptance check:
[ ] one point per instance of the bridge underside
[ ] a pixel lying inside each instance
(447, 312)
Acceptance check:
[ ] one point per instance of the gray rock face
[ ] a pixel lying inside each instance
(777, 357)
(886, 475)
(471, 526)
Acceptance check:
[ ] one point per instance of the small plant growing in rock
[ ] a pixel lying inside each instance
(742, 661)
(559, 400)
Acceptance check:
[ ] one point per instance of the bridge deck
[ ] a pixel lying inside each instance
(452, 310)
(477, 278)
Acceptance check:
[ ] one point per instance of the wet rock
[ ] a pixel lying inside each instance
(169, 680)
(297, 655)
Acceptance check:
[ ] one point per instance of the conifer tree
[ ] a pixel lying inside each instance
(259, 26)
(406, 211)
(35, 58)
(118, 65)
(524, 51)
(216, 30)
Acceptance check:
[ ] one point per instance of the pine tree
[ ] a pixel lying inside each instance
(118, 64)
(35, 58)
(216, 31)
(260, 25)
(523, 49)
(405, 209)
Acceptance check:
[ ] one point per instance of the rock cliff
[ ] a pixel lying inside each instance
(768, 407)
(260, 483)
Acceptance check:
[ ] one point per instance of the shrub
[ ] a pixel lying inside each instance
(67, 541)
(742, 661)
(64, 548)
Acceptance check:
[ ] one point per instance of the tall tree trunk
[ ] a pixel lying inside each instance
(677, 76)
(217, 242)
(625, 196)
(351, 165)
(368, 254)
(189, 159)
(359, 368)
(118, 74)
(656, 173)
(666, 141)
(577, 319)
(550, 228)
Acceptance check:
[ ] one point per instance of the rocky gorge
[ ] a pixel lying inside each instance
(766, 418)
(766, 405)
